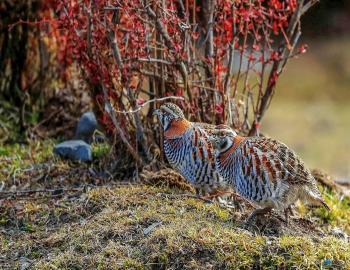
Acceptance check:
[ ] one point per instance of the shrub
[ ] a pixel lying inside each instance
(224, 57)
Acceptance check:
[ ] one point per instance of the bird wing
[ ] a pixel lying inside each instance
(277, 161)
(209, 128)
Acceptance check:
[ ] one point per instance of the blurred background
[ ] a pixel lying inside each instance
(311, 109)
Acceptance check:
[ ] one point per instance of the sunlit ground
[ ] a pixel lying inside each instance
(311, 109)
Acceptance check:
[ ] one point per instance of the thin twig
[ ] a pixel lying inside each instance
(32, 191)
(149, 101)
(115, 48)
(206, 88)
(307, 6)
(293, 34)
(32, 23)
(54, 113)
(59, 191)
(159, 25)
(154, 60)
(89, 30)
(112, 8)
(227, 84)
(117, 126)
(116, 53)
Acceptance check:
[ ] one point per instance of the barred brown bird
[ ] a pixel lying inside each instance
(264, 171)
(189, 151)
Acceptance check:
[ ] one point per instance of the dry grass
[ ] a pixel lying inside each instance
(104, 228)
(138, 227)
(151, 227)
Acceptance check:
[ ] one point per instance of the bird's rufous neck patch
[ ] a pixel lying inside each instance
(236, 141)
(177, 128)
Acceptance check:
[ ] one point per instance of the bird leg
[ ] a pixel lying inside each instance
(288, 211)
(198, 192)
(209, 197)
(216, 194)
(258, 212)
(199, 195)
(238, 197)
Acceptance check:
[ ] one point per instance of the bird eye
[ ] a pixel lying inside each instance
(223, 144)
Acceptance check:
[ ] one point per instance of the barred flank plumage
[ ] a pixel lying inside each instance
(189, 151)
(265, 171)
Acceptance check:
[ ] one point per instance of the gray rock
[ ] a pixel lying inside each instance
(24, 263)
(86, 126)
(76, 150)
(339, 233)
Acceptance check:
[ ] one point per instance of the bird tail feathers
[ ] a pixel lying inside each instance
(313, 198)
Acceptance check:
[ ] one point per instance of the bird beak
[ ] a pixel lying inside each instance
(156, 112)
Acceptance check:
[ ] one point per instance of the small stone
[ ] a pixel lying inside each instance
(86, 126)
(76, 150)
(151, 227)
(339, 233)
(24, 263)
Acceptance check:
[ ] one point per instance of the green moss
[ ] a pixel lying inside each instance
(66, 260)
(188, 234)
(16, 158)
(306, 253)
(4, 243)
(100, 150)
(339, 216)
(131, 264)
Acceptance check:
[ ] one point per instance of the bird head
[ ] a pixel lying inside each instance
(222, 140)
(167, 113)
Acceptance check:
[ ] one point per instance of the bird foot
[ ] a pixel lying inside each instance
(288, 211)
(205, 199)
(225, 204)
(256, 213)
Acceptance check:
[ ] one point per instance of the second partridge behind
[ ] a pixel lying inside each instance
(264, 171)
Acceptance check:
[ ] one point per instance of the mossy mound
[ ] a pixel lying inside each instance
(146, 227)
(151, 226)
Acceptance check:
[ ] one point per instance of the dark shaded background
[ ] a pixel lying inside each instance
(327, 18)
(311, 109)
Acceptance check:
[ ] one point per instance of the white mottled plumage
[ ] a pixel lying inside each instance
(264, 171)
(189, 151)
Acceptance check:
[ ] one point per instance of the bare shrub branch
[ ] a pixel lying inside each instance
(219, 59)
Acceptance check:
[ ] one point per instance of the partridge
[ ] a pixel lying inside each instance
(264, 171)
(189, 151)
